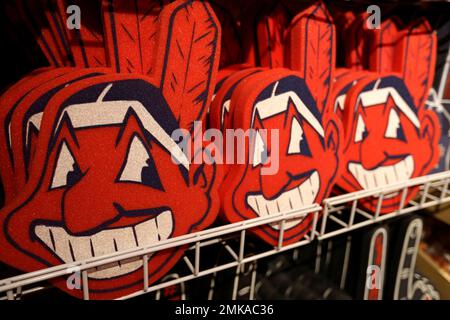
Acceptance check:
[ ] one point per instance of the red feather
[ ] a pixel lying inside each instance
(386, 47)
(356, 45)
(311, 50)
(130, 34)
(188, 58)
(419, 60)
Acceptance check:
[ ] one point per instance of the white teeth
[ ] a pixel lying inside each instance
(380, 177)
(147, 233)
(43, 233)
(82, 250)
(103, 243)
(71, 248)
(164, 224)
(62, 247)
(294, 199)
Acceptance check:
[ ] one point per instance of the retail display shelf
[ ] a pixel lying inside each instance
(335, 216)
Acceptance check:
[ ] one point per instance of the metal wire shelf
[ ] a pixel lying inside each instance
(433, 190)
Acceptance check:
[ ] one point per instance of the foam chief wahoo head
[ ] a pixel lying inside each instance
(307, 152)
(104, 176)
(308, 148)
(390, 136)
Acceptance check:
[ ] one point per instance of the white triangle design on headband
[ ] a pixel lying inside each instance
(102, 113)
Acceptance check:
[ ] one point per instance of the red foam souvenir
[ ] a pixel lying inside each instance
(386, 47)
(299, 168)
(303, 163)
(105, 153)
(390, 136)
(248, 22)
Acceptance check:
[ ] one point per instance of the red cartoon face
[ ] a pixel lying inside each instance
(110, 183)
(307, 158)
(387, 141)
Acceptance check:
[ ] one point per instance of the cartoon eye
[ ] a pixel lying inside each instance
(394, 129)
(298, 143)
(67, 172)
(140, 167)
(260, 151)
(361, 132)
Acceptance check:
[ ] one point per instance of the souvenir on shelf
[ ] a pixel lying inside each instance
(102, 170)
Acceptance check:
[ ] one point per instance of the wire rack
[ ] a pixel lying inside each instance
(339, 215)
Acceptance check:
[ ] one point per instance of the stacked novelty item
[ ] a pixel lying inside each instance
(96, 149)
(292, 159)
(89, 164)
(389, 135)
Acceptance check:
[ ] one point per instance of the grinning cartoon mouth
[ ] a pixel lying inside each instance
(291, 200)
(382, 176)
(73, 248)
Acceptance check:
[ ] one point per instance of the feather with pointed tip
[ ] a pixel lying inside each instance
(386, 47)
(343, 19)
(311, 50)
(130, 34)
(419, 60)
(356, 45)
(188, 59)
